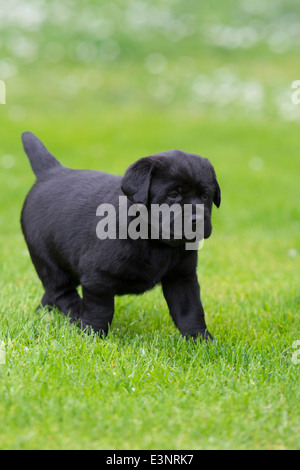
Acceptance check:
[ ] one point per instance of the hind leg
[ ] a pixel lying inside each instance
(45, 302)
(68, 301)
(60, 287)
(97, 311)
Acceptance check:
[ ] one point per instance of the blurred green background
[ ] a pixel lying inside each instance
(104, 83)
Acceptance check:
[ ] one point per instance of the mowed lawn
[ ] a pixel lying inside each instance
(144, 387)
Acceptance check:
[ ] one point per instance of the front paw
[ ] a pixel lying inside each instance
(91, 327)
(202, 335)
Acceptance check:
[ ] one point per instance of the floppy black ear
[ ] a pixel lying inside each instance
(217, 195)
(136, 181)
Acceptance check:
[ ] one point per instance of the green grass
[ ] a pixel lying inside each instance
(144, 387)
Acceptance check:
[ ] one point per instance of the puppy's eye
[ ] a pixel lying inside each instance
(205, 197)
(174, 195)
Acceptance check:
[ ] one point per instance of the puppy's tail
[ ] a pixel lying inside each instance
(41, 160)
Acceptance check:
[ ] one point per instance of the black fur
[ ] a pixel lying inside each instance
(59, 224)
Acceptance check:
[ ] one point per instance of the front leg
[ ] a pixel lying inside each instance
(183, 299)
(97, 311)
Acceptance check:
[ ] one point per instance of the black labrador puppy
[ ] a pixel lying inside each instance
(59, 224)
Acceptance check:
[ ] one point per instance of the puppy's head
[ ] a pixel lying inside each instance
(174, 177)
